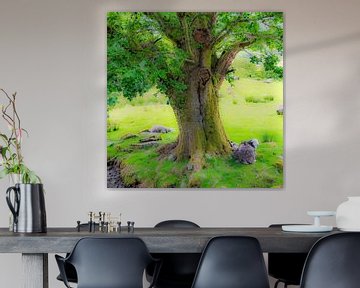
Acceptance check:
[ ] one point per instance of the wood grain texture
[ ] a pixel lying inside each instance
(34, 247)
(158, 240)
(35, 270)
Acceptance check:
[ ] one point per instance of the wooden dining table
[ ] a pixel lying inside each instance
(35, 247)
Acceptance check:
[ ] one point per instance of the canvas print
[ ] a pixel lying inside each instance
(195, 100)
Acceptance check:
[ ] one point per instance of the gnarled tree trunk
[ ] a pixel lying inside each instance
(197, 111)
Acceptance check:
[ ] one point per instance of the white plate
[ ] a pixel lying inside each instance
(306, 228)
(350, 229)
(321, 213)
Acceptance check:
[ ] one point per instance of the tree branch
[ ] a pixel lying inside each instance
(224, 62)
(222, 34)
(227, 29)
(14, 123)
(187, 36)
(213, 19)
(150, 43)
(164, 26)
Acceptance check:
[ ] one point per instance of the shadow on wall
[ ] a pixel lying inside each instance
(334, 164)
(345, 39)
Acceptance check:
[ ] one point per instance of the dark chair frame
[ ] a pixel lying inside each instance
(178, 269)
(62, 262)
(176, 224)
(70, 271)
(333, 262)
(232, 261)
(286, 267)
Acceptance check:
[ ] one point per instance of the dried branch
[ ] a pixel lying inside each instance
(11, 154)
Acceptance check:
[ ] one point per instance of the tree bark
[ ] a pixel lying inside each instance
(200, 127)
(197, 110)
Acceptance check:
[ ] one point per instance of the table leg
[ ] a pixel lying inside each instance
(35, 270)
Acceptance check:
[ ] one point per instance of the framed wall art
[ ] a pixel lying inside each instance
(195, 100)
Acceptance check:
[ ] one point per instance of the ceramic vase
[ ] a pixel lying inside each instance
(27, 204)
(348, 215)
(13, 179)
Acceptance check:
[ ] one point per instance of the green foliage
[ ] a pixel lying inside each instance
(242, 121)
(26, 175)
(139, 56)
(230, 77)
(159, 50)
(265, 27)
(153, 49)
(112, 99)
(270, 63)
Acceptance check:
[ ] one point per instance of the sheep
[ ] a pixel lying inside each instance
(159, 129)
(246, 153)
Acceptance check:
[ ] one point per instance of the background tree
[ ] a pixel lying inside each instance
(187, 56)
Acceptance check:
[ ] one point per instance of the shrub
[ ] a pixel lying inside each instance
(279, 165)
(269, 98)
(267, 137)
(112, 128)
(252, 99)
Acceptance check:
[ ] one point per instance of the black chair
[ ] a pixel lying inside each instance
(286, 267)
(178, 269)
(232, 262)
(108, 263)
(70, 273)
(333, 262)
(69, 269)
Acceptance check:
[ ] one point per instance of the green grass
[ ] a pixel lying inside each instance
(252, 120)
(242, 121)
(134, 119)
(265, 99)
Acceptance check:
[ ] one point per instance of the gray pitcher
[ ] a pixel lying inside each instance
(28, 208)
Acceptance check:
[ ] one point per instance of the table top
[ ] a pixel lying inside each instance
(158, 240)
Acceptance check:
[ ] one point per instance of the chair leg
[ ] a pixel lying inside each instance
(278, 282)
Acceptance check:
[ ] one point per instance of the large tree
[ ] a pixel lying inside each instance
(187, 56)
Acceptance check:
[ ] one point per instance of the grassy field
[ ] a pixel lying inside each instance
(248, 110)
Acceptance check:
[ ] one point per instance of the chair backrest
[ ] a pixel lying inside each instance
(110, 262)
(232, 262)
(177, 267)
(286, 266)
(333, 262)
(176, 224)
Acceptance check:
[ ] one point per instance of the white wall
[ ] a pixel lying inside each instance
(52, 52)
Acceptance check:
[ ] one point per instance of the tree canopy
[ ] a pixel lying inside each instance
(187, 56)
(151, 49)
